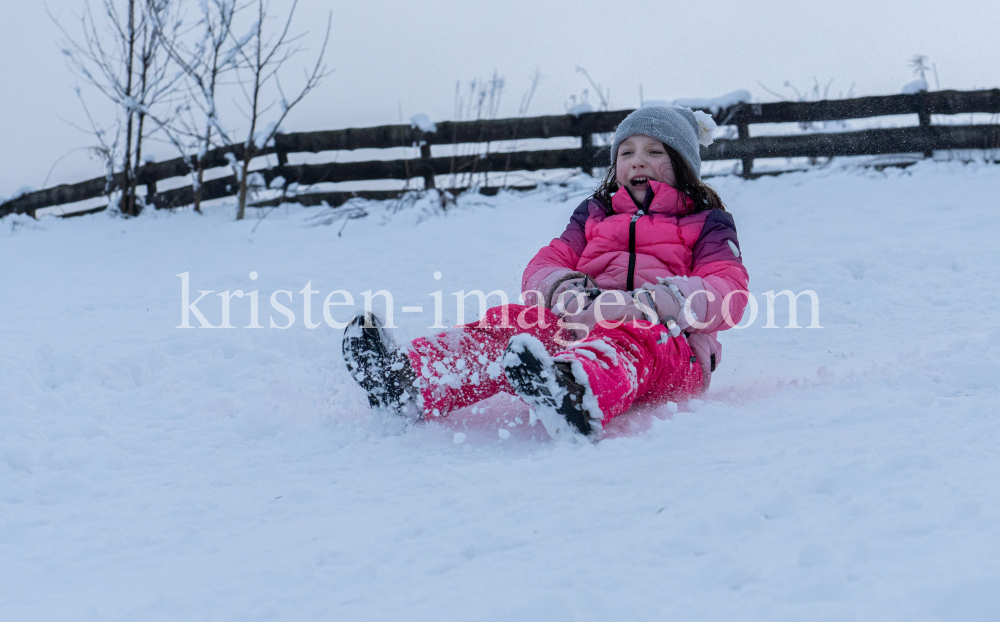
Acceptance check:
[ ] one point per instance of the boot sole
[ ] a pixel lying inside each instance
(524, 365)
(354, 356)
(361, 349)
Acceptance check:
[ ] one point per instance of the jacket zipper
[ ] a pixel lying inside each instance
(630, 282)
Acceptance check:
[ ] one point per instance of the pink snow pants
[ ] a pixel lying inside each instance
(634, 362)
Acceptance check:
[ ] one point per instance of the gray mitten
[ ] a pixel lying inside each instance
(611, 308)
(666, 305)
(573, 295)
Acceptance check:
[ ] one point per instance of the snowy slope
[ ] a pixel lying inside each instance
(843, 473)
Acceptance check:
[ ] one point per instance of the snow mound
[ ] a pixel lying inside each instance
(917, 86)
(423, 123)
(152, 472)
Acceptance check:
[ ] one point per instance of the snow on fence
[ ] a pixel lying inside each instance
(923, 138)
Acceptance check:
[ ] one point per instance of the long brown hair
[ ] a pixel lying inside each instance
(704, 196)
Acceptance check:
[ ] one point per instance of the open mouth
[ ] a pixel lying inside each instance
(637, 182)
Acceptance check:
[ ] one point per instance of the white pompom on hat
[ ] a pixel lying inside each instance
(681, 129)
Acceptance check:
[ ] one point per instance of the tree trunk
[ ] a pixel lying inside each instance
(197, 190)
(136, 208)
(242, 204)
(200, 161)
(127, 203)
(148, 46)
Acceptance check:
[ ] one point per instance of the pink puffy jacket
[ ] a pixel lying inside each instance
(662, 247)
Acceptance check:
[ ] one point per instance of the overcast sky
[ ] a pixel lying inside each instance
(393, 57)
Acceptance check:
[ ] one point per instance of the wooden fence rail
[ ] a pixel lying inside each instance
(923, 138)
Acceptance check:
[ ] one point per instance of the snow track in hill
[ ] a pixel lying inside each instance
(156, 473)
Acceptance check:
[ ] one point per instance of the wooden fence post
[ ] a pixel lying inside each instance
(744, 133)
(587, 154)
(144, 178)
(924, 117)
(425, 154)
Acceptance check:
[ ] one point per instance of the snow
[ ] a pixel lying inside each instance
(20, 192)
(706, 125)
(917, 86)
(235, 50)
(581, 108)
(261, 139)
(256, 180)
(844, 473)
(423, 123)
(715, 104)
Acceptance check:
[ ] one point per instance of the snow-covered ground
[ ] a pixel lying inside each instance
(840, 473)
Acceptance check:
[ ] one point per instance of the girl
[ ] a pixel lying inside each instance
(622, 308)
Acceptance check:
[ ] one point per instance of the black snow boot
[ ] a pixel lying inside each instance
(550, 387)
(381, 369)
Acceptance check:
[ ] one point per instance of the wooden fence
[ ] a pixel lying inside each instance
(922, 138)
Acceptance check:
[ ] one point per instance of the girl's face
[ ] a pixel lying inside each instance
(641, 158)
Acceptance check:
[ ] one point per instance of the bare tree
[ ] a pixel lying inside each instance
(196, 127)
(920, 66)
(602, 94)
(262, 57)
(126, 65)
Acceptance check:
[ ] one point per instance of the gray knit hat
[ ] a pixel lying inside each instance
(677, 127)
